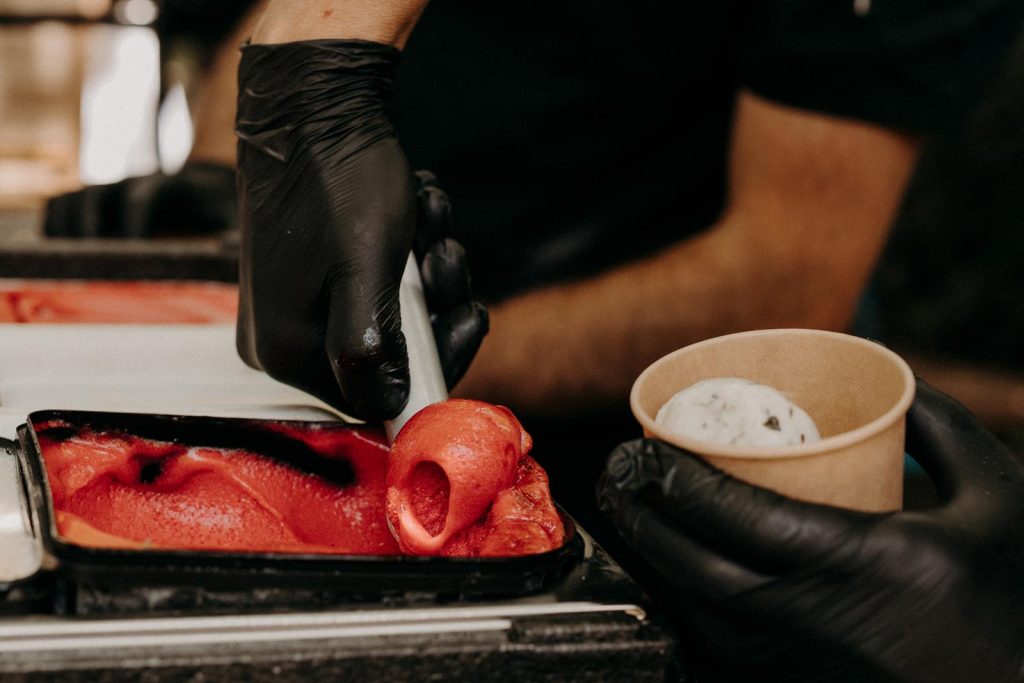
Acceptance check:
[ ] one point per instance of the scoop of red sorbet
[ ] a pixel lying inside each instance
(460, 482)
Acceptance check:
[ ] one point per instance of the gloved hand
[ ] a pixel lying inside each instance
(329, 215)
(781, 589)
(199, 199)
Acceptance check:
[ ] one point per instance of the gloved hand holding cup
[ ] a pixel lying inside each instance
(800, 586)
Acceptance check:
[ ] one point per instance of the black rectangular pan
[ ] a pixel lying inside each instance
(91, 580)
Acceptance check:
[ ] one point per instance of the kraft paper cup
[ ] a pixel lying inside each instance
(857, 392)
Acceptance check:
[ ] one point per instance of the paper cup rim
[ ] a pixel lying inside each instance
(828, 444)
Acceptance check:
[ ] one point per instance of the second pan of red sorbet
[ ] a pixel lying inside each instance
(126, 503)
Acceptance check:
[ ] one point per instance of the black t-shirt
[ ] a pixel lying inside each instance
(567, 134)
(577, 134)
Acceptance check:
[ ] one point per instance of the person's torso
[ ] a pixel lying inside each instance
(571, 135)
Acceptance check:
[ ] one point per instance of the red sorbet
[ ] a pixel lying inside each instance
(460, 482)
(462, 468)
(117, 302)
(115, 489)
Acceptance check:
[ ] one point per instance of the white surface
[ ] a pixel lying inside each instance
(20, 555)
(177, 369)
(730, 410)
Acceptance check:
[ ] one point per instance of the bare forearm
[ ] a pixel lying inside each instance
(811, 199)
(275, 21)
(570, 348)
(578, 347)
(382, 21)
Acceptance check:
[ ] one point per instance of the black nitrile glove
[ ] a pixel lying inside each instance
(774, 588)
(197, 200)
(329, 215)
(460, 322)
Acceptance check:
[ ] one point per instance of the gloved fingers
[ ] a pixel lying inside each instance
(445, 275)
(753, 526)
(289, 349)
(459, 333)
(366, 349)
(459, 322)
(282, 331)
(282, 320)
(956, 450)
(433, 212)
(313, 376)
(684, 561)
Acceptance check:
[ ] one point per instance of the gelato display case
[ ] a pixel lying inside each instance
(70, 611)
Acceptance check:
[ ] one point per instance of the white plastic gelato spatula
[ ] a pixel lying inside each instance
(426, 379)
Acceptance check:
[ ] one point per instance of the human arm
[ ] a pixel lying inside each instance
(811, 198)
(329, 212)
(382, 21)
(279, 22)
(763, 583)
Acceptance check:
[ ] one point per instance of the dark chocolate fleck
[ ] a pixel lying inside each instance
(773, 423)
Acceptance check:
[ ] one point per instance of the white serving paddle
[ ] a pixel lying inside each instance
(426, 380)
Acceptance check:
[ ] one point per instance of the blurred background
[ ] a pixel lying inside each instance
(79, 88)
(91, 92)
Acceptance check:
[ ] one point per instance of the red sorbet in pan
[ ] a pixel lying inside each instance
(457, 482)
(114, 489)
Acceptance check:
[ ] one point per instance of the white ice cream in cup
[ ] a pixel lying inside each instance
(856, 391)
